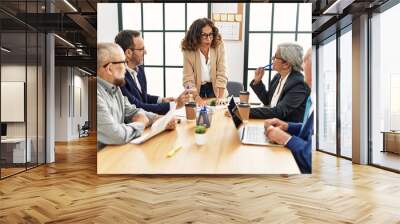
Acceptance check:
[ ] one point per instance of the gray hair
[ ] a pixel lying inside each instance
(292, 53)
(106, 52)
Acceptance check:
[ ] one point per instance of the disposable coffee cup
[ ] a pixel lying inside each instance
(244, 111)
(244, 97)
(190, 109)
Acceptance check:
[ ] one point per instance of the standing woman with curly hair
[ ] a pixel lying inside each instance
(204, 61)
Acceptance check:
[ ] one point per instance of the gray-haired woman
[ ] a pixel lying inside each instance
(287, 92)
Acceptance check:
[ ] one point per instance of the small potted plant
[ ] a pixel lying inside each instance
(212, 103)
(199, 135)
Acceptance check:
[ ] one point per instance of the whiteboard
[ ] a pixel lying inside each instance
(12, 101)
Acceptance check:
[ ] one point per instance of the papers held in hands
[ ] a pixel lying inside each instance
(158, 126)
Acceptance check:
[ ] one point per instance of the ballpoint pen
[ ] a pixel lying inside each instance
(267, 66)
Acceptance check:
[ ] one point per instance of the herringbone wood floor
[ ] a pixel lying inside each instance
(69, 191)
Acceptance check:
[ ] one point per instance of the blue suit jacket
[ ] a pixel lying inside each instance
(142, 99)
(301, 143)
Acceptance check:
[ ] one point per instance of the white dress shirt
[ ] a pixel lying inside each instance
(134, 77)
(205, 67)
(278, 91)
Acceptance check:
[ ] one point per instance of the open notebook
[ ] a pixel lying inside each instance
(158, 126)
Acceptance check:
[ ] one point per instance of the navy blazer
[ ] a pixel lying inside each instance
(141, 98)
(301, 143)
(291, 103)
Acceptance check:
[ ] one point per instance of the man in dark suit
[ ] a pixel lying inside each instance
(135, 88)
(296, 136)
(287, 92)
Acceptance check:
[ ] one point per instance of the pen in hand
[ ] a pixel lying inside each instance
(267, 66)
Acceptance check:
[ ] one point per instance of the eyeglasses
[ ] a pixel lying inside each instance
(138, 49)
(114, 62)
(207, 35)
(274, 57)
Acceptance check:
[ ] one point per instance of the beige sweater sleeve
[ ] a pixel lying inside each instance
(188, 69)
(222, 77)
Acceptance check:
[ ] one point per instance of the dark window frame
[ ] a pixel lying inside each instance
(163, 31)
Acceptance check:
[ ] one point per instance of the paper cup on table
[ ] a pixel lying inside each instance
(244, 111)
(244, 96)
(190, 109)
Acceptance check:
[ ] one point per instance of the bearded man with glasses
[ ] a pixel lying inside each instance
(136, 83)
(118, 121)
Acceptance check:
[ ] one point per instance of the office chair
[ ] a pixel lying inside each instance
(234, 88)
(84, 130)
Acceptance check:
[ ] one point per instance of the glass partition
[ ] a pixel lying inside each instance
(22, 76)
(15, 152)
(385, 89)
(327, 94)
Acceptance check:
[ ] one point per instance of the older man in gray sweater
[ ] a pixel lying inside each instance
(118, 121)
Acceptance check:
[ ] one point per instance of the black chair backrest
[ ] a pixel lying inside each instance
(234, 88)
(86, 125)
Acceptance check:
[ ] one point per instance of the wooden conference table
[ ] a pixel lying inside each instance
(222, 154)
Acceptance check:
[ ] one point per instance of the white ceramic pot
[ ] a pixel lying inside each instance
(200, 139)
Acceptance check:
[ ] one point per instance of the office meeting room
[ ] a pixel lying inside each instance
(198, 88)
(178, 111)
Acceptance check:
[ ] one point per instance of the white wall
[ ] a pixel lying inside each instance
(33, 125)
(80, 83)
(107, 22)
(68, 83)
(235, 60)
(14, 73)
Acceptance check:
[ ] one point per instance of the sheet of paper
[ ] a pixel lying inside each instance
(224, 7)
(216, 17)
(231, 17)
(224, 17)
(158, 126)
(181, 112)
(229, 30)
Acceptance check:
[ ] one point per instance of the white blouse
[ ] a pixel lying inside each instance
(278, 91)
(205, 67)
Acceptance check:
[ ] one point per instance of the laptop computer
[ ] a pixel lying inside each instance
(248, 134)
